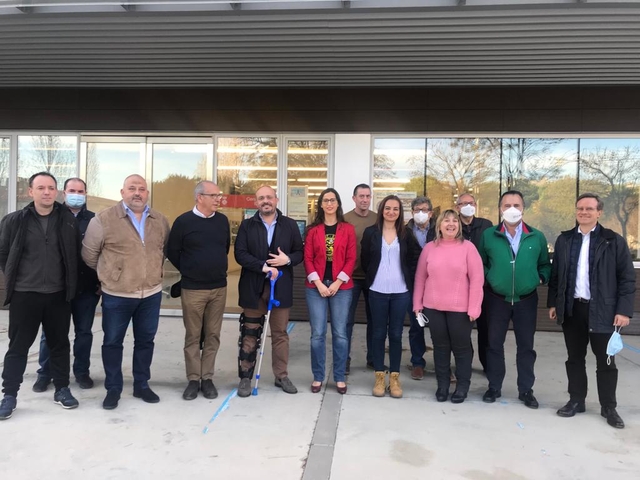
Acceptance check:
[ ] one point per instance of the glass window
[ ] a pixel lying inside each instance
(399, 168)
(611, 168)
(5, 152)
(307, 162)
(545, 171)
(464, 165)
(107, 165)
(55, 154)
(244, 164)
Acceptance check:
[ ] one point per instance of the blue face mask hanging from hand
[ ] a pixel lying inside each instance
(615, 345)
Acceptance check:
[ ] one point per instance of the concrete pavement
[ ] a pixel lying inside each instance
(321, 436)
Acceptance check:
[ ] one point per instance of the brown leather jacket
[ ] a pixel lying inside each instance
(126, 266)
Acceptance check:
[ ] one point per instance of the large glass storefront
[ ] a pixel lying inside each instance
(550, 172)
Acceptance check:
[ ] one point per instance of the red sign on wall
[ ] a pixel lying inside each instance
(238, 201)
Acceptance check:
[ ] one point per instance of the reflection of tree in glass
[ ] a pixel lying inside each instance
(618, 175)
(4, 174)
(250, 152)
(49, 154)
(174, 195)
(463, 163)
(93, 171)
(383, 167)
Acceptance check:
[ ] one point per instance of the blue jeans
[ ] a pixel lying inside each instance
(116, 314)
(417, 343)
(387, 314)
(83, 310)
(359, 287)
(339, 307)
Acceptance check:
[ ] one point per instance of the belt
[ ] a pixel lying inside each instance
(581, 300)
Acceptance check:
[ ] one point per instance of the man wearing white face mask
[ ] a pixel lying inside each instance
(83, 306)
(516, 262)
(472, 229)
(423, 227)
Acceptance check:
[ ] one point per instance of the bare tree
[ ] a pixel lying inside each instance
(619, 173)
(530, 160)
(49, 154)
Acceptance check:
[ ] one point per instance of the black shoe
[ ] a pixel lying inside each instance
(146, 394)
(491, 395)
(84, 381)
(570, 409)
(244, 388)
(209, 389)
(7, 406)
(41, 385)
(191, 392)
(286, 385)
(111, 400)
(458, 397)
(528, 399)
(347, 368)
(64, 398)
(371, 367)
(442, 395)
(612, 417)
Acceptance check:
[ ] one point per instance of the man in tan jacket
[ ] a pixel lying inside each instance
(126, 245)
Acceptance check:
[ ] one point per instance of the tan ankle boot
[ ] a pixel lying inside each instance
(380, 386)
(395, 389)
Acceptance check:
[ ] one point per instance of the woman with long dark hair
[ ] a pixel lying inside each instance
(329, 260)
(389, 256)
(448, 286)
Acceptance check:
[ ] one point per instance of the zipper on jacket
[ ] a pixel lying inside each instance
(513, 273)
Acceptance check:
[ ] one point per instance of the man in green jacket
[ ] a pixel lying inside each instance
(516, 261)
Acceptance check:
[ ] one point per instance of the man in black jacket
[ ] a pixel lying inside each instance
(266, 243)
(39, 249)
(472, 228)
(591, 292)
(83, 306)
(198, 246)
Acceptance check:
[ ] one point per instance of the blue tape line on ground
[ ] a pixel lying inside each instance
(633, 349)
(290, 327)
(221, 408)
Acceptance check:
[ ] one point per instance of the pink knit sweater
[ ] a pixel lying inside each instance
(449, 278)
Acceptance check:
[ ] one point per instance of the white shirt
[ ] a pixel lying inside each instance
(200, 214)
(389, 278)
(582, 277)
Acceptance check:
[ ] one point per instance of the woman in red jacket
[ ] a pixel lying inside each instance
(329, 259)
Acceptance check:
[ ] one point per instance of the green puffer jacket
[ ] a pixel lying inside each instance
(517, 277)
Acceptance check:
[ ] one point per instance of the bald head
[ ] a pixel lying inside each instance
(266, 200)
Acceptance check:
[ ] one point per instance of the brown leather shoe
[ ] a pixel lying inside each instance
(417, 372)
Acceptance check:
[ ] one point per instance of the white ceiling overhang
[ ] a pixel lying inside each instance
(268, 43)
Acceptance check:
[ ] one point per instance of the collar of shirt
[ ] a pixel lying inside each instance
(200, 214)
(589, 232)
(138, 224)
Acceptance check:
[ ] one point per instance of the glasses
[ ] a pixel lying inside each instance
(213, 195)
(464, 204)
(329, 200)
(423, 210)
(586, 209)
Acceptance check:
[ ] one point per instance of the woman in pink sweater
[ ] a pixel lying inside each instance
(448, 286)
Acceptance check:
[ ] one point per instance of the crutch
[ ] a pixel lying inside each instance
(272, 303)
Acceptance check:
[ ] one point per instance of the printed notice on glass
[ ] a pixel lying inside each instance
(297, 201)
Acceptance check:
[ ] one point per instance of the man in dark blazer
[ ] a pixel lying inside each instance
(266, 243)
(591, 293)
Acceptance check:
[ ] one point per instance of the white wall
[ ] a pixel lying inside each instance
(352, 156)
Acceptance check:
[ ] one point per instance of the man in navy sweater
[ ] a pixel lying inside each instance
(198, 246)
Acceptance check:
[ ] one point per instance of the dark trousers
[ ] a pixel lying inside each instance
(417, 344)
(483, 336)
(26, 312)
(359, 286)
(388, 311)
(117, 312)
(83, 310)
(576, 338)
(451, 332)
(523, 314)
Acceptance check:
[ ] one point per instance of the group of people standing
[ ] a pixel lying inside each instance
(449, 272)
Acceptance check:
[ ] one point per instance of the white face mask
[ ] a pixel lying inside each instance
(468, 210)
(421, 218)
(512, 215)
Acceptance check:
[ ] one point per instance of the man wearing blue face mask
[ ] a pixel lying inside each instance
(83, 306)
(516, 262)
(591, 293)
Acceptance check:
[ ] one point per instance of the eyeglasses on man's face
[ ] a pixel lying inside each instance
(464, 204)
(213, 195)
(421, 209)
(329, 200)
